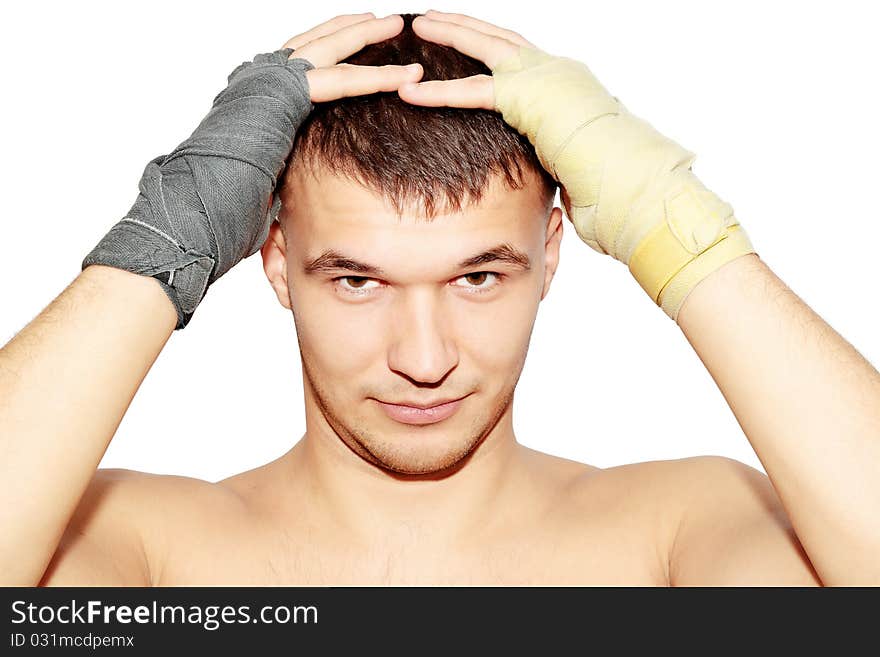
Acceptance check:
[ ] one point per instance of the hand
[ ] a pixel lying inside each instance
(478, 39)
(323, 46)
(208, 204)
(628, 190)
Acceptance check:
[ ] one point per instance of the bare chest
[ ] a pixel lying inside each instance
(603, 551)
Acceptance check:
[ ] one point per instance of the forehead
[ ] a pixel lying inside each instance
(324, 210)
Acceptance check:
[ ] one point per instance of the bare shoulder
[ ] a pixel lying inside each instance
(119, 532)
(732, 527)
(715, 521)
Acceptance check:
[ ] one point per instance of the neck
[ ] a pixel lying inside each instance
(372, 503)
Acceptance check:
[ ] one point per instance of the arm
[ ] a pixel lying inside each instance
(733, 530)
(66, 380)
(68, 377)
(101, 546)
(808, 403)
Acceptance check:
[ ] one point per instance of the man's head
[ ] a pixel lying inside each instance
(415, 192)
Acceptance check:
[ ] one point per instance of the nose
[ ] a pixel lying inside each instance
(422, 348)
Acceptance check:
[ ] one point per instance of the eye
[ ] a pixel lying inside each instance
(479, 277)
(356, 285)
(357, 289)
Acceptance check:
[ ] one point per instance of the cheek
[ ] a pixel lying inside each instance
(497, 334)
(338, 342)
(347, 339)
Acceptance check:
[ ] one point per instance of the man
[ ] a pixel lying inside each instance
(394, 311)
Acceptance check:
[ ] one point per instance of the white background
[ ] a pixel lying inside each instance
(779, 102)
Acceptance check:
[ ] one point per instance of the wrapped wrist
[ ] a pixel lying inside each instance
(204, 207)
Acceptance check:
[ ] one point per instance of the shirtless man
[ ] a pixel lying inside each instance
(387, 310)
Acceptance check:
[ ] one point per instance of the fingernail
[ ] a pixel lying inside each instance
(413, 67)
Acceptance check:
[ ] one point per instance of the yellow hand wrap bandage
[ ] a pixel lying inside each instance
(628, 190)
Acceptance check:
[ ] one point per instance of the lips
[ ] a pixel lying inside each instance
(418, 415)
(413, 404)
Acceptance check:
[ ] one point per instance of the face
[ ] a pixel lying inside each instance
(389, 309)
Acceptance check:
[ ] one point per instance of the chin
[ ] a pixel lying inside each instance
(416, 454)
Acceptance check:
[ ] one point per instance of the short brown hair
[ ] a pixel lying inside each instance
(434, 156)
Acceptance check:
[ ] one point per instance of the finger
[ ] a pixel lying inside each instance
(345, 80)
(331, 48)
(327, 27)
(475, 92)
(487, 48)
(477, 24)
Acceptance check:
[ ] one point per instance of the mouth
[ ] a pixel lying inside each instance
(417, 415)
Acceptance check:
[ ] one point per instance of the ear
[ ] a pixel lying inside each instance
(551, 248)
(274, 253)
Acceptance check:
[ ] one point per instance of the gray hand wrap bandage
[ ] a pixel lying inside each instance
(204, 207)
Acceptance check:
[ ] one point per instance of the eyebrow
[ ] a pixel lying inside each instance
(332, 260)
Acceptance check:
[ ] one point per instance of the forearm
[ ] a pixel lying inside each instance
(66, 380)
(808, 403)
